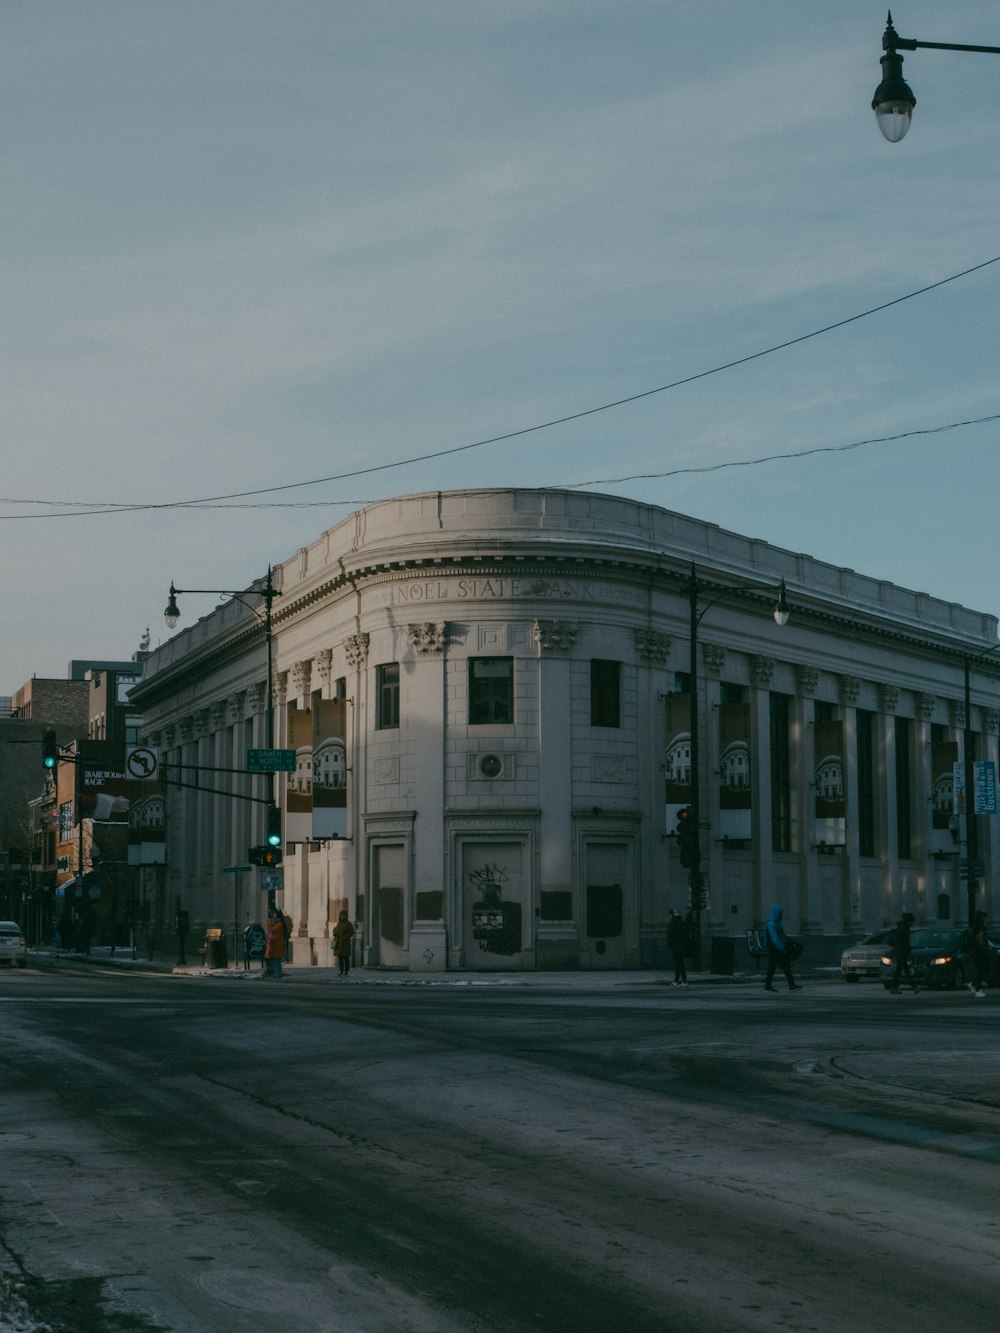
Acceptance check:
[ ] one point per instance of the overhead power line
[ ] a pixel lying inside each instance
(95, 508)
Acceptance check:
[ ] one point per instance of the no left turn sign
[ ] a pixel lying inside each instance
(142, 763)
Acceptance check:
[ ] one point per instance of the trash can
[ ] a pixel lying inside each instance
(722, 955)
(215, 948)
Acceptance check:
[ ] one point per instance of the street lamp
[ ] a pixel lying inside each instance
(893, 102)
(781, 612)
(172, 614)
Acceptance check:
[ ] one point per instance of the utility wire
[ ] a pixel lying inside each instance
(214, 500)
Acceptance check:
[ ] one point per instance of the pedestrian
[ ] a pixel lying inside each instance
(779, 952)
(277, 942)
(982, 955)
(901, 948)
(677, 943)
(343, 941)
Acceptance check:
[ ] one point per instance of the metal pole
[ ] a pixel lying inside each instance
(695, 868)
(971, 818)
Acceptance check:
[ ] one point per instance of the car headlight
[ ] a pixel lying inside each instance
(887, 959)
(940, 962)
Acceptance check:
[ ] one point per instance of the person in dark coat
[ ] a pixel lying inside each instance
(343, 942)
(777, 950)
(677, 943)
(982, 955)
(901, 947)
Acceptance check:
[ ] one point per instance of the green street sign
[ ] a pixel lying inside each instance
(270, 761)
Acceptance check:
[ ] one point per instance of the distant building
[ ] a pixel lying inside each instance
(514, 665)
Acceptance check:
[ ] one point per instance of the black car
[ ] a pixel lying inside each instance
(939, 957)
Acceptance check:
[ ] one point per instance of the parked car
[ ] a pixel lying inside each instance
(864, 959)
(939, 957)
(13, 945)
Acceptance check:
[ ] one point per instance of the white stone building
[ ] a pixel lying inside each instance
(508, 661)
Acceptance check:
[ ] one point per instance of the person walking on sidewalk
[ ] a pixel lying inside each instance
(903, 953)
(277, 942)
(343, 942)
(779, 952)
(982, 955)
(677, 943)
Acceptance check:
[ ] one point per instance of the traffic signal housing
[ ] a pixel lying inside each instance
(687, 835)
(50, 749)
(264, 856)
(273, 826)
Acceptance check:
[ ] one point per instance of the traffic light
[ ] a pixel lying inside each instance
(273, 826)
(264, 856)
(687, 835)
(50, 749)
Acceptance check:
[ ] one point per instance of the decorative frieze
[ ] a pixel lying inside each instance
(429, 636)
(713, 657)
(652, 646)
(555, 636)
(850, 690)
(761, 671)
(807, 680)
(356, 648)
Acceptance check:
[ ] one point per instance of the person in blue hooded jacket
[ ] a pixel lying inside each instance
(777, 950)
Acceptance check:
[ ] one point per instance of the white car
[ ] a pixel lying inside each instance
(864, 958)
(13, 945)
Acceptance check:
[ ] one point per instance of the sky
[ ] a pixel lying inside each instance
(252, 246)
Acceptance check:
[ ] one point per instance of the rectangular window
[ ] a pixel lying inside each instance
(866, 782)
(781, 773)
(904, 787)
(605, 693)
(65, 820)
(387, 695)
(491, 690)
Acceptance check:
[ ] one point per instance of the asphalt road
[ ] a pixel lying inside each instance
(190, 1154)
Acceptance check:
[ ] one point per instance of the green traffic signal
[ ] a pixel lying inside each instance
(50, 749)
(274, 826)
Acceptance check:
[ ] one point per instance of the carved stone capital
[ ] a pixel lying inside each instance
(279, 687)
(652, 646)
(301, 677)
(429, 636)
(957, 710)
(991, 719)
(926, 704)
(356, 648)
(888, 698)
(555, 636)
(237, 704)
(850, 690)
(807, 680)
(256, 701)
(713, 658)
(761, 671)
(324, 663)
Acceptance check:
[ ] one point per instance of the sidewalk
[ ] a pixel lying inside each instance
(472, 977)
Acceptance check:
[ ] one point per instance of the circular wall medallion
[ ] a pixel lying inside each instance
(491, 765)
